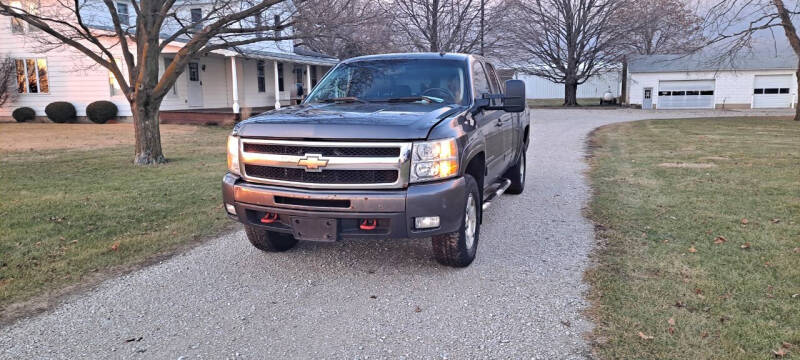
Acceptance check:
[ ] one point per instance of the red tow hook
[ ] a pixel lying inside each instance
(368, 224)
(269, 218)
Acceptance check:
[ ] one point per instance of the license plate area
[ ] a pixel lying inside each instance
(314, 229)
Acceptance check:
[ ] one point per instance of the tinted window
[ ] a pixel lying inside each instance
(707, 92)
(692, 92)
(678, 93)
(664, 93)
(771, 91)
(758, 91)
(784, 90)
(480, 80)
(446, 81)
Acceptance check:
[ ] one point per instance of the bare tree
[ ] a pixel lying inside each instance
(564, 41)
(734, 26)
(656, 27)
(7, 79)
(363, 27)
(444, 25)
(224, 24)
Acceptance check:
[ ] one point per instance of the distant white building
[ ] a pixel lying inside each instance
(701, 82)
(256, 78)
(537, 87)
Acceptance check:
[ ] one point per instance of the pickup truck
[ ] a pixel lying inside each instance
(385, 146)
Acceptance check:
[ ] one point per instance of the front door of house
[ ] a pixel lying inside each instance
(647, 100)
(195, 89)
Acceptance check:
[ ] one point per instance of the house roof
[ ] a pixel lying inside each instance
(710, 60)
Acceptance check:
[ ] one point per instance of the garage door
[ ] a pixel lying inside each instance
(772, 91)
(694, 94)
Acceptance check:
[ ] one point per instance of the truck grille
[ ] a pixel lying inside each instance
(324, 176)
(325, 165)
(321, 150)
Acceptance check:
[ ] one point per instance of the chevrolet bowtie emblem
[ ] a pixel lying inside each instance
(313, 162)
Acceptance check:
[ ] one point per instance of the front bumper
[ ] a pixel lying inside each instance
(395, 210)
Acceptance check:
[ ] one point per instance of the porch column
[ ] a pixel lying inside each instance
(308, 79)
(235, 82)
(277, 92)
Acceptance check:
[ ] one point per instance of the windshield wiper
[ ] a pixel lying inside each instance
(429, 99)
(345, 99)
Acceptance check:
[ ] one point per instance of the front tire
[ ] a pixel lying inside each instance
(458, 249)
(269, 241)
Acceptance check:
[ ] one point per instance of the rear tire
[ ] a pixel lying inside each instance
(517, 176)
(458, 249)
(269, 241)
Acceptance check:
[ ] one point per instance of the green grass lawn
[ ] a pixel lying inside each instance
(67, 214)
(699, 224)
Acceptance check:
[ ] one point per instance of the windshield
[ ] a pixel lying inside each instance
(414, 80)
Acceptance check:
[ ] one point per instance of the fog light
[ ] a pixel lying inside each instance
(427, 222)
(231, 209)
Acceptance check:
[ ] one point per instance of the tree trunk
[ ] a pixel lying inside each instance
(623, 96)
(571, 93)
(797, 108)
(148, 137)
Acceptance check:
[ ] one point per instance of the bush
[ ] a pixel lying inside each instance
(23, 114)
(60, 112)
(101, 111)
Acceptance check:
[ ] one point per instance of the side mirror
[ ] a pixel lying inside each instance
(514, 98)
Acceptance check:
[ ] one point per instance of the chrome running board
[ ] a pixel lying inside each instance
(500, 190)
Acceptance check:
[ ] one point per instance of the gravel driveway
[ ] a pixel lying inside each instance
(521, 298)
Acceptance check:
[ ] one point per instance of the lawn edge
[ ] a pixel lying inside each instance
(49, 300)
(594, 337)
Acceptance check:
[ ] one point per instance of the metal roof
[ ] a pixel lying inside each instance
(710, 60)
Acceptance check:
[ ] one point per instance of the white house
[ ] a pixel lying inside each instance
(762, 79)
(255, 78)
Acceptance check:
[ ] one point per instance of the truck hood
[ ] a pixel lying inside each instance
(351, 121)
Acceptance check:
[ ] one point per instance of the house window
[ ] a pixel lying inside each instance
(277, 22)
(758, 91)
(707, 92)
(32, 76)
(167, 62)
(262, 81)
(313, 76)
(258, 21)
(280, 77)
(17, 25)
(771, 91)
(197, 19)
(113, 84)
(122, 13)
(692, 93)
(194, 72)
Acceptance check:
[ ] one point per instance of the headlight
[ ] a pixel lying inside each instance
(434, 160)
(233, 155)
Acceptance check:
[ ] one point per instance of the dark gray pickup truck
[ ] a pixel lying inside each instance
(385, 146)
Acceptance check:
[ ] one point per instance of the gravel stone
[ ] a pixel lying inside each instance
(352, 299)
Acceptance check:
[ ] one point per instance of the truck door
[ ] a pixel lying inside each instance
(490, 123)
(506, 119)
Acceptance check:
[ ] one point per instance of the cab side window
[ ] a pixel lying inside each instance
(480, 80)
(494, 84)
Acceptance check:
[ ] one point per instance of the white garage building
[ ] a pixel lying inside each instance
(691, 82)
